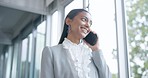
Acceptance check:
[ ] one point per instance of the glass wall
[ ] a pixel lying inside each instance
(30, 55)
(137, 24)
(54, 31)
(9, 62)
(103, 18)
(1, 65)
(3, 61)
(15, 60)
(40, 43)
(73, 5)
(26, 53)
(104, 26)
(24, 61)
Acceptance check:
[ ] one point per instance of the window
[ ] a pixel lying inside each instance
(40, 43)
(103, 23)
(15, 58)
(30, 56)
(73, 5)
(24, 61)
(54, 32)
(1, 65)
(137, 25)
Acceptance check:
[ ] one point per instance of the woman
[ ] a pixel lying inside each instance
(73, 57)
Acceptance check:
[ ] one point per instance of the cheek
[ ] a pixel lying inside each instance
(77, 25)
(75, 28)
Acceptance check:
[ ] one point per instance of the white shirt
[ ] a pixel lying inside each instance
(81, 55)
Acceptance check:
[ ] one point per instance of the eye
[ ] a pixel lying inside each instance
(84, 19)
(90, 23)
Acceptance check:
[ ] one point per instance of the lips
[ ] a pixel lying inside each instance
(85, 30)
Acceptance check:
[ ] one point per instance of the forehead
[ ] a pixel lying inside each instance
(84, 14)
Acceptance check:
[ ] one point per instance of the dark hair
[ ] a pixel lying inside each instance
(70, 15)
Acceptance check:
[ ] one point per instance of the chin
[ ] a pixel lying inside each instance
(84, 35)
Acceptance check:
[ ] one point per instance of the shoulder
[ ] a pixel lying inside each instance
(52, 50)
(48, 48)
(56, 46)
(57, 52)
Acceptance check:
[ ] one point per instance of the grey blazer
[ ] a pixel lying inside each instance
(56, 63)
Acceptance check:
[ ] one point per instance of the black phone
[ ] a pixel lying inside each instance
(91, 38)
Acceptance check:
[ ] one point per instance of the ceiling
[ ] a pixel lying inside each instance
(12, 21)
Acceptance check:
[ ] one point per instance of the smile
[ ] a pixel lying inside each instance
(85, 30)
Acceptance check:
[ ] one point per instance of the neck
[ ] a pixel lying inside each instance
(73, 39)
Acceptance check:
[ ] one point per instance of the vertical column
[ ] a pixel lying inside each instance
(27, 59)
(61, 14)
(48, 30)
(19, 48)
(5, 62)
(1, 65)
(9, 62)
(122, 39)
(86, 4)
(32, 74)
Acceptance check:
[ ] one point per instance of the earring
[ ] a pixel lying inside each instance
(69, 27)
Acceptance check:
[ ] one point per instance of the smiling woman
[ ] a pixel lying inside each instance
(73, 57)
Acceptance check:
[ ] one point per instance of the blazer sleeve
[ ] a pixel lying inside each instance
(102, 67)
(47, 64)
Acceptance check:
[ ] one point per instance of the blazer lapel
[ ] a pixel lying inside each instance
(70, 62)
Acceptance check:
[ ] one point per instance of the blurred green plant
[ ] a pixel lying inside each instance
(137, 24)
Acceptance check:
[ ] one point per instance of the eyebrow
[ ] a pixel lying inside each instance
(85, 17)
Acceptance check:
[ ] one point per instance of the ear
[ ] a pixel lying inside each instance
(68, 21)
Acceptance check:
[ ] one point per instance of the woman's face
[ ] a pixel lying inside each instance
(80, 25)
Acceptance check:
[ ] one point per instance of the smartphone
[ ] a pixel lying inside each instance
(91, 38)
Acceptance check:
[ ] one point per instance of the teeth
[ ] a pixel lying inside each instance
(84, 30)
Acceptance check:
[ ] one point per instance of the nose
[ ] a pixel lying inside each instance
(88, 24)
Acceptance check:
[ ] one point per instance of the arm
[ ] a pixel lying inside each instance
(47, 64)
(99, 61)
